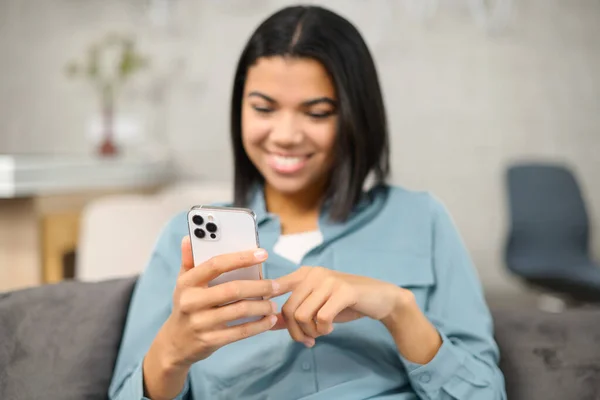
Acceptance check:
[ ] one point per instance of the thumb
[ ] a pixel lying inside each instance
(187, 260)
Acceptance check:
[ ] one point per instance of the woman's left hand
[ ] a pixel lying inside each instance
(321, 296)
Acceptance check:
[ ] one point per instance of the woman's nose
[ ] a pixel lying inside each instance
(286, 131)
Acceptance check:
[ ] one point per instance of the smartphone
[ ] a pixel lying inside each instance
(220, 230)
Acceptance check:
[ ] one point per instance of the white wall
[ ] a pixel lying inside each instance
(462, 103)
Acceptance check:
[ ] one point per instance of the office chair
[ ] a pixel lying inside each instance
(549, 236)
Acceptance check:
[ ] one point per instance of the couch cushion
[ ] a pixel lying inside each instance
(61, 341)
(550, 356)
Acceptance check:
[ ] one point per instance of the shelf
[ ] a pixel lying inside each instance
(41, 175)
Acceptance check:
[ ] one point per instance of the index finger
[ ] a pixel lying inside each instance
(187, 260)
(215, 266)
(288, 282)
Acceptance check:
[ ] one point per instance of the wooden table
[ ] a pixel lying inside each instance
(41, 197)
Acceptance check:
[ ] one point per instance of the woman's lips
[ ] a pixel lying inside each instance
(287, 164)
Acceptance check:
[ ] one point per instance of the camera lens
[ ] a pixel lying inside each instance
(198, 220)
(212, 228)
(199, 233)
(213, 236)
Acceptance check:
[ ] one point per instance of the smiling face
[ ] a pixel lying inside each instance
(289, 122)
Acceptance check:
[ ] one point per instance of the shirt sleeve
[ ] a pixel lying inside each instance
(150, 307)
(466, 365)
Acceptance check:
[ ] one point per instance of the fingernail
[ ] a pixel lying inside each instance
(260, 254)
(275, 286)
(274, 306)
(273, 320)
(309, 342)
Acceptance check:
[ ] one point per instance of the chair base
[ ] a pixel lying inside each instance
(575, 293)
(551, 303)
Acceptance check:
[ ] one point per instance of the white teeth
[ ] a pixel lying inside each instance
(288, 161)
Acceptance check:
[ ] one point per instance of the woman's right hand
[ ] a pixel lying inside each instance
(197, 326)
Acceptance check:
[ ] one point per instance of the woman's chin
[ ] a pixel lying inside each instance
(288, 186)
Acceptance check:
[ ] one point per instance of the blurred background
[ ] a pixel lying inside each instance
(114, 116)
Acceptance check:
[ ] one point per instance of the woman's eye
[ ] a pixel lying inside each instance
(320, 115)
(262, 110)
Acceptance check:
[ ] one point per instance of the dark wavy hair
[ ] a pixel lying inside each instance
(362, 143)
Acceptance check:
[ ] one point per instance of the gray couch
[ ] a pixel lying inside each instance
(61, 341)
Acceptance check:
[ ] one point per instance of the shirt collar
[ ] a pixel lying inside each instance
(259, 205)
(367, 198)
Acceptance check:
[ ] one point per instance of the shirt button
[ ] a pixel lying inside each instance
(425, 378)
(306, 366)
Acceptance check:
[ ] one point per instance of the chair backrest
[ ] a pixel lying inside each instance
(118, 233)
(549, 227)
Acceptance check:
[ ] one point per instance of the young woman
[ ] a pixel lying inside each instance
(369, 291)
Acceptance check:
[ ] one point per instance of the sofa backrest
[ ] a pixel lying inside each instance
(549, 356)
(61, 342)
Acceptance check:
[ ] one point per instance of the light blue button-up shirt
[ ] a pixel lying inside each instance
(394, 235)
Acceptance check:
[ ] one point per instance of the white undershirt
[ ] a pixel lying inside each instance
(295, 246)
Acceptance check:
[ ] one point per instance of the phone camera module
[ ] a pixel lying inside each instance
(199, 233)
(211, 227)
(197, 219)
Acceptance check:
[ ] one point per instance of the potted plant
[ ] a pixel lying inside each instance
(108, 65)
